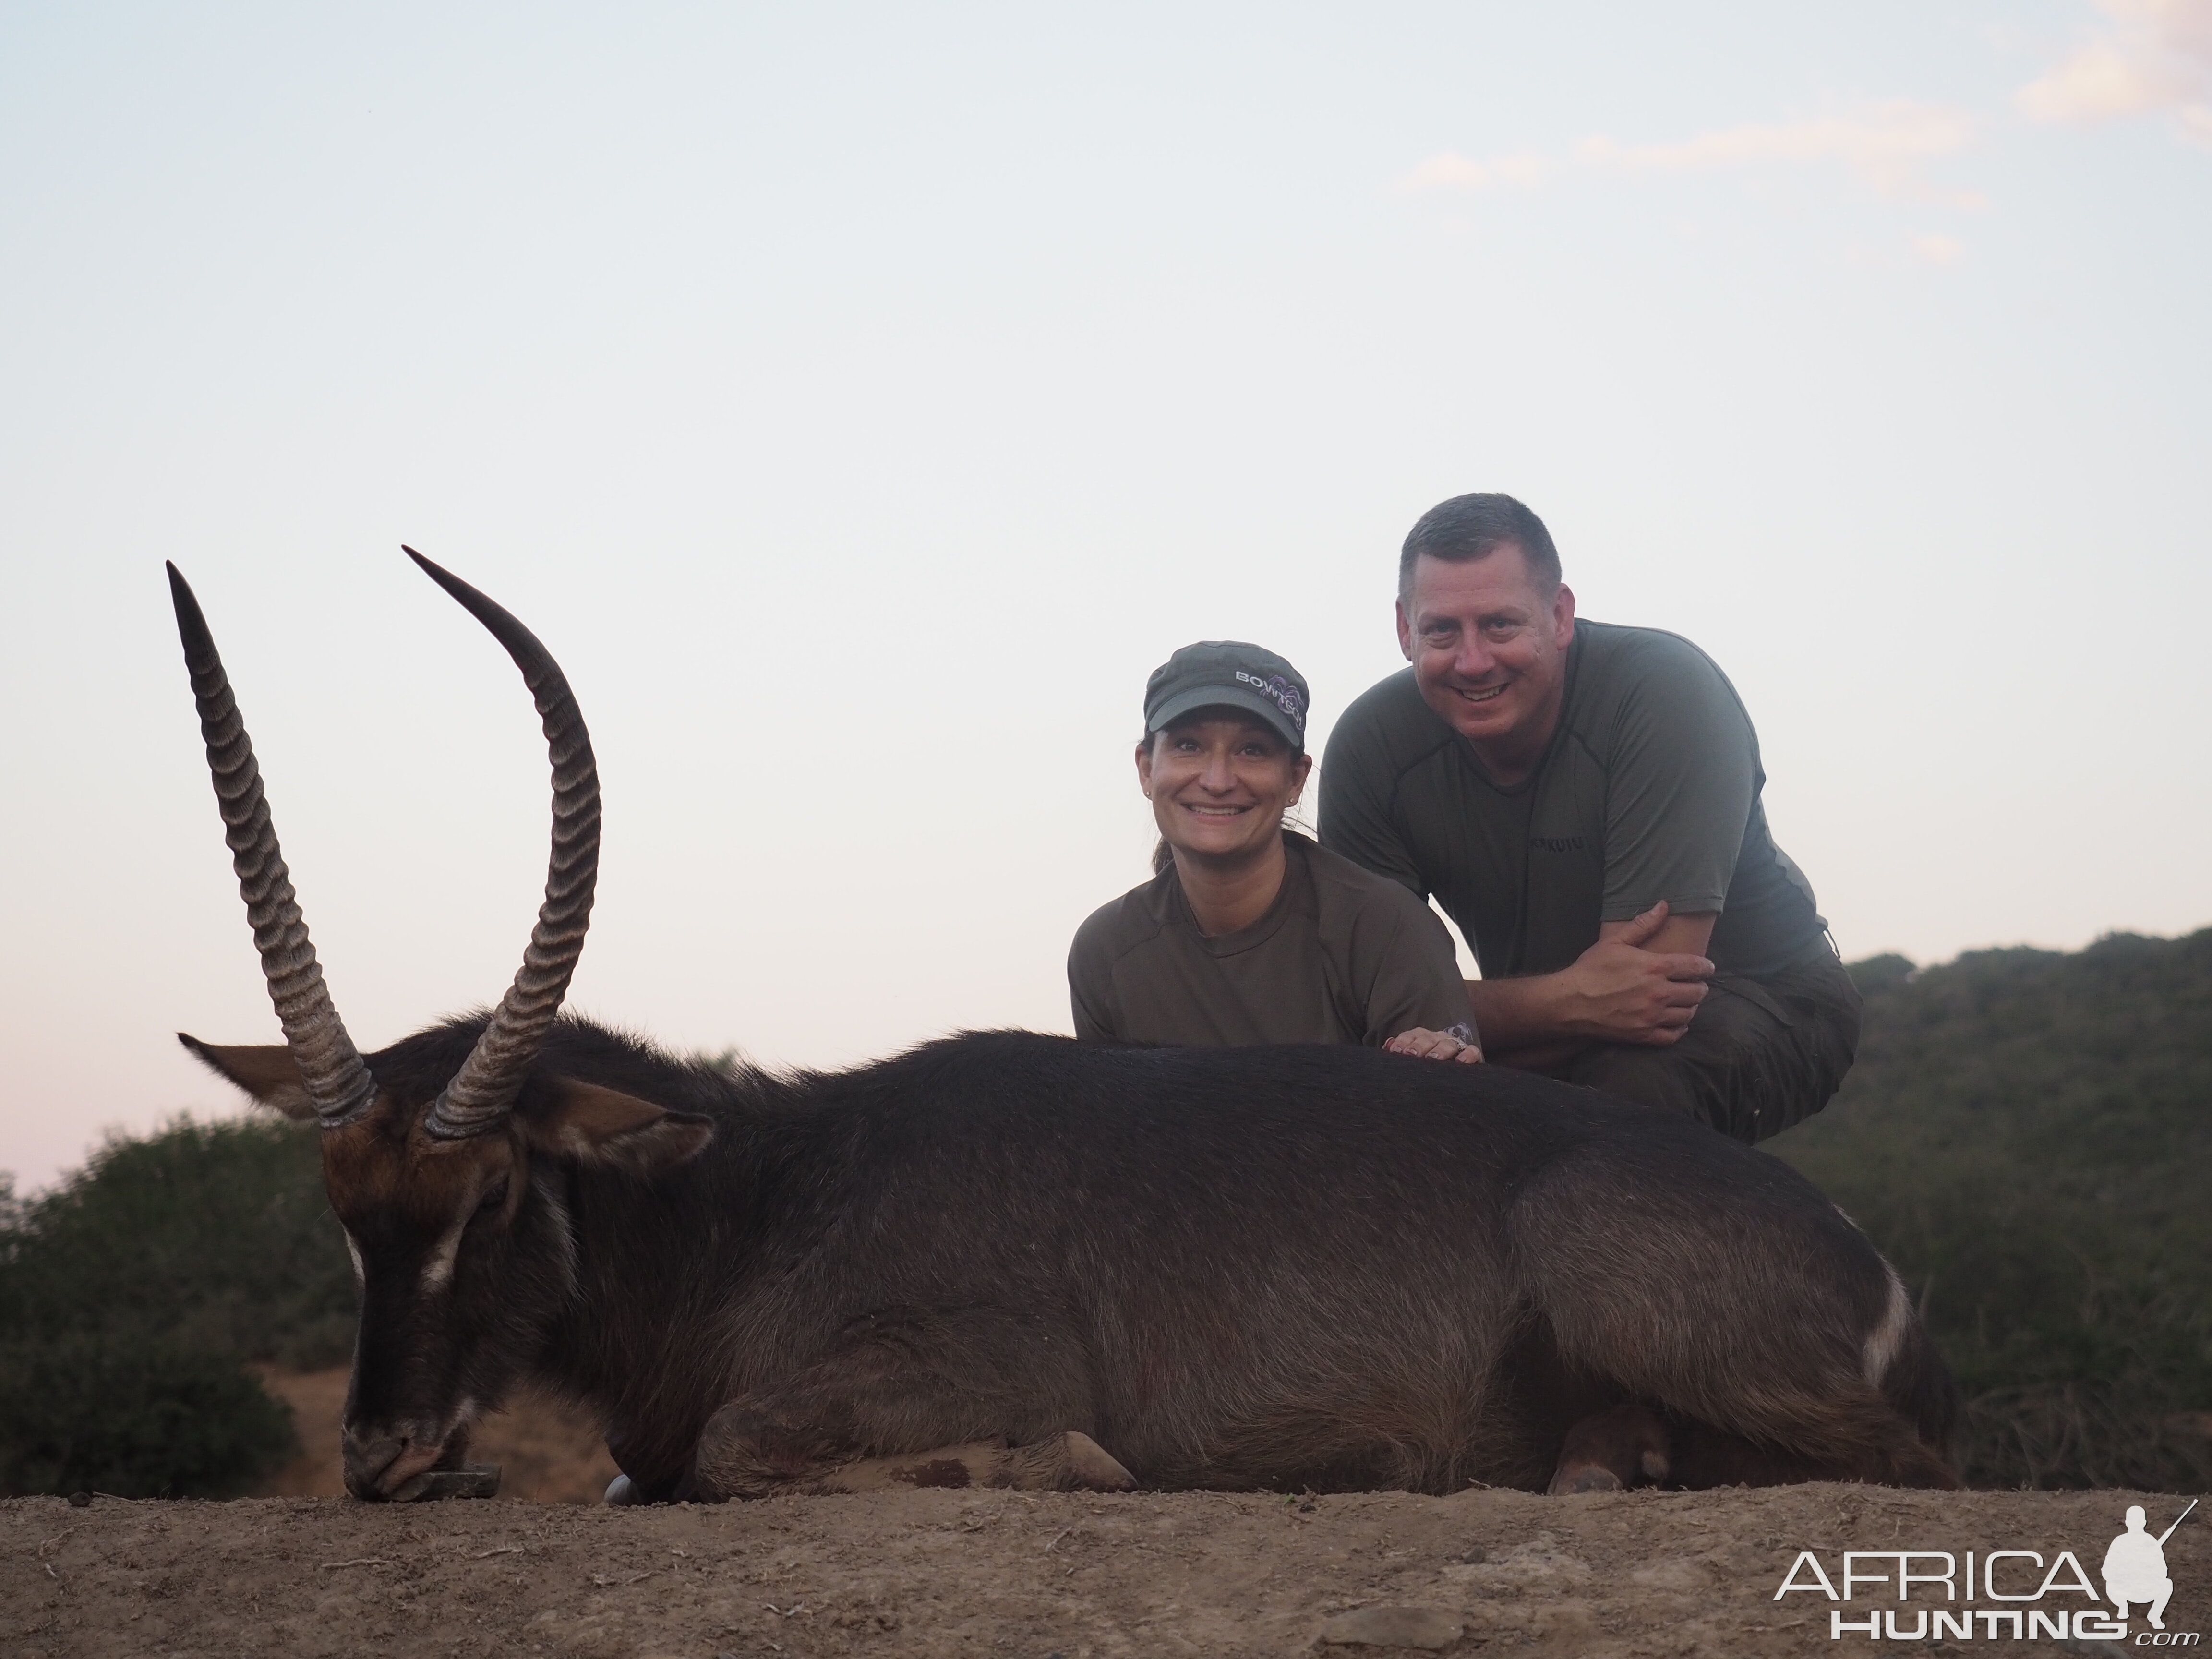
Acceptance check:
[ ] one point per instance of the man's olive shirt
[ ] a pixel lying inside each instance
(1341, 956)
(1649, 790)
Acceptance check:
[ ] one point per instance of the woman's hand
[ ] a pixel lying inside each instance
(1424, 1044)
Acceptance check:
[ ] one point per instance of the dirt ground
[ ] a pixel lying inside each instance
(941, 1573)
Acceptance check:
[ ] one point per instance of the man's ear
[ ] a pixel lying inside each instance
(1404, 630)
(264, 1070)
(593, 1124)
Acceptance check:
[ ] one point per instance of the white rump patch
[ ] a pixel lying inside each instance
(1887, 1336)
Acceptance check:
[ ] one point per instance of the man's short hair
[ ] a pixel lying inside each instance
(1474, 527)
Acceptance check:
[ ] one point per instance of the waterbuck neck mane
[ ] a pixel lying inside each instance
(739, 1096)
(414, 1069)
(1043, 1077)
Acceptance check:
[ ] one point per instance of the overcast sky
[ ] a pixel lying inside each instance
(860, 399)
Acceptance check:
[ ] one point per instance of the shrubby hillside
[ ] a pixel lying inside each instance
(2029, 1135)
(132, 1295)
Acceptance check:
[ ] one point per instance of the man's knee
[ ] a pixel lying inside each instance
(1657, 1077)
(1750, 1063)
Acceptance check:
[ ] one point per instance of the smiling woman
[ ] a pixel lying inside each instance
(1248, 932)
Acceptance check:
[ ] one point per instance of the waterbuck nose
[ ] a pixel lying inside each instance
(367, 1456)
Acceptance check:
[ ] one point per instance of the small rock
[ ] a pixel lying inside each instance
(1538, 1564)
(1683, 1576)
(79, 1500)
(1393, 1628)
(471, 1480)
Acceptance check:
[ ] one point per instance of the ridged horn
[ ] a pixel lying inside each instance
(482, 1091)
(338, 1082)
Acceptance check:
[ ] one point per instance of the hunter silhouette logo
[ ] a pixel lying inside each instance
(2135, 1567)
(2032, 1595)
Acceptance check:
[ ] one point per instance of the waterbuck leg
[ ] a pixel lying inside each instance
(914, 1387)
(1705, 1456)
(1062, 1462)
(1752, 1305)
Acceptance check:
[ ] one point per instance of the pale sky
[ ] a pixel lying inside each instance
(860, 399)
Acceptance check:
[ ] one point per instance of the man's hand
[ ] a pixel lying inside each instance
(1628, 988)
(1424, 1044)
(1641, 983)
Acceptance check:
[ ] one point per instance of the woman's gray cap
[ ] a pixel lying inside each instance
(1229, 674)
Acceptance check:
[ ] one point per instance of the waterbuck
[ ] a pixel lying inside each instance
(996, 1254)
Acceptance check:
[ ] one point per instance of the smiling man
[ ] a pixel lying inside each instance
(1583, 800)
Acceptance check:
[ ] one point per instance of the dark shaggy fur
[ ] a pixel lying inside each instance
(1325, 1267)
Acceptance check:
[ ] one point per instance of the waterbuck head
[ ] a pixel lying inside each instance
(448, 1179)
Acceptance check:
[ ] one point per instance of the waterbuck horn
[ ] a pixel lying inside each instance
(482, 1091)
(338, 1082)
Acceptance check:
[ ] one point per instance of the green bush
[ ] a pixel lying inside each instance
(133, 1295)
(217, 1234)
(135, 1416)
(2027, 1134)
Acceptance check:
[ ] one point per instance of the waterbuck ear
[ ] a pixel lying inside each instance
(594, 1125)
(264, 1070)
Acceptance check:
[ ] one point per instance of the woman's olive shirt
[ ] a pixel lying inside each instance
(1342, 956)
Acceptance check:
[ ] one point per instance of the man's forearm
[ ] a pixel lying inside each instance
(1518, 1013)
(1637, 984)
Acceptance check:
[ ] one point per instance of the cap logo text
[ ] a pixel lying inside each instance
(1286, 694)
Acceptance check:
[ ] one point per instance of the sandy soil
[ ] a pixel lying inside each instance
(941, 1573)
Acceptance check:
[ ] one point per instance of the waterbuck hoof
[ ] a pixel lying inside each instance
(1068, 1462)
(1620, 1447)
(1590, 1477)
(472, 1480)
(1093, 1469)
